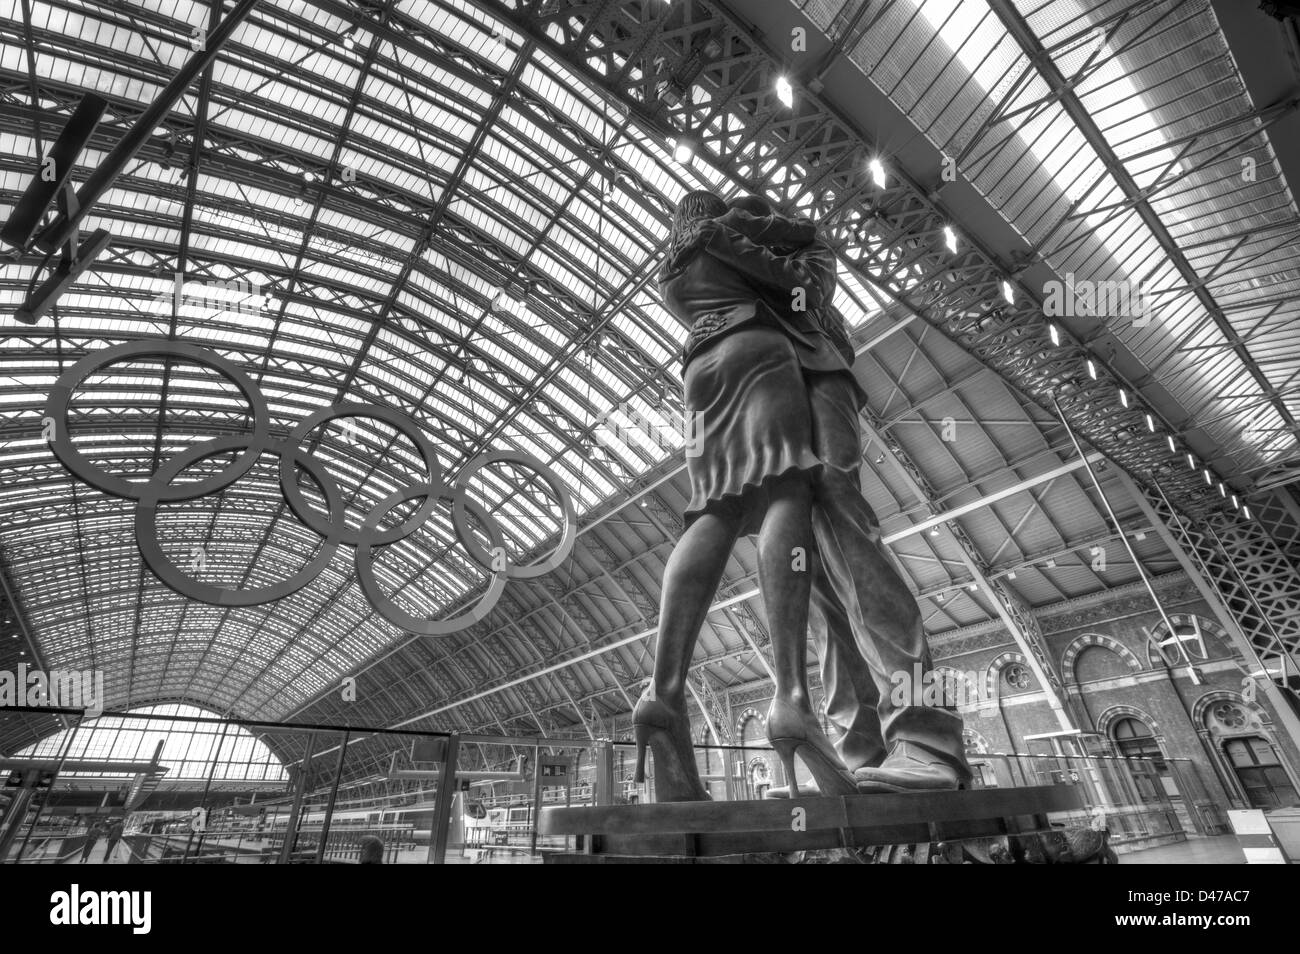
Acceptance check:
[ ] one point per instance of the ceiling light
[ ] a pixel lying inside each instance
(880, 459)
(684, 147)
(1245, 511)
(1050, 564)
(1008, 293)
(934, 531)
(971, 587)
(938, 597)
(1151, 424)
(1223, 491)
(309, 176)
(1011, 575)
(950, 239)
(1123, 397)
(1208, 481)
(785, 92)
(1092, 370)
(1235, 502)
(877, 170)
(1191, 461)
(1173, 448)
(1140, 535)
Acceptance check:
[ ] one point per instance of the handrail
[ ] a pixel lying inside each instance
(222, 720)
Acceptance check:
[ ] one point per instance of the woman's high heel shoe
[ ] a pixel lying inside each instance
(666, 732)
(791, 731)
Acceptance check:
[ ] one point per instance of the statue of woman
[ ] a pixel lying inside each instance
(752, 475)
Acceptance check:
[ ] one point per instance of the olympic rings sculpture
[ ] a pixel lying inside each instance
(330, 526)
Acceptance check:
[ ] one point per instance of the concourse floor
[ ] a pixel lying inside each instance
(1218, 850)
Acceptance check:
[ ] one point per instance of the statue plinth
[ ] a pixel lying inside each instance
(977, 825)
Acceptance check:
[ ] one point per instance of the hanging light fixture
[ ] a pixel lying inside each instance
(1008, 292)
(685, 147)
(785, 92)
(877, 170)
(950, 239)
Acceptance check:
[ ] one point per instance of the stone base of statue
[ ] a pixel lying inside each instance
(983, 826)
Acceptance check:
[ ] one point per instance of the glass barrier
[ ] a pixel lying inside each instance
(171, 788)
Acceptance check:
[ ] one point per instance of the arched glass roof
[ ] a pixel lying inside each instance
(441, 220)
(423, 205)
(190, 750)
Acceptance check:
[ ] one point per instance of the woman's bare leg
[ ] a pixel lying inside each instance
(660, 722)
(784, 545)
(691, 581)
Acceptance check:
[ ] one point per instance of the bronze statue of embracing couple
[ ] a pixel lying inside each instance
(768, 373)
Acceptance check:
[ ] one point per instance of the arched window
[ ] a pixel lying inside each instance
(1134, 741)
(1099, 662)
(1261, 775)
(189, 748)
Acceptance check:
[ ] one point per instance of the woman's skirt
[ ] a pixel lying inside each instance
(751, 408)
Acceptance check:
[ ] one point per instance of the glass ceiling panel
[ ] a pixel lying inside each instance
(371, 283)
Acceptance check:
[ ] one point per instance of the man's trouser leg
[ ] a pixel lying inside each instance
(882, 612)
(851, 696)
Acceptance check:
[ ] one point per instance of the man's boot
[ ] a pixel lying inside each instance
(911, 768)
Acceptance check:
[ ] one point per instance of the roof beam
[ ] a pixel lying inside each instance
(1019, 28)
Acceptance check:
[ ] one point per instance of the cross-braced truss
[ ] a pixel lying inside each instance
(455, 209)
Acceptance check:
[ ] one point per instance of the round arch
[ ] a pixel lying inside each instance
(994, 671)
(1108, 717)
(745, 718)
(1207, 627)
(1080, 643)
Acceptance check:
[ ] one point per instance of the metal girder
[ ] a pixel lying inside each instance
(1253, 580)
(733, 595)
(1019, 29)
(892, 236)
(1231, 595)
(715, 711)
(1015, 615)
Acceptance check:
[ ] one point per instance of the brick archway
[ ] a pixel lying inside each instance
(1079, 644)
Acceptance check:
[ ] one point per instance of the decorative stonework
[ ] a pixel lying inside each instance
(1197, 652)
(1174, 589)
(750, 713)
(1108, 717)
(1212, 711)
(996, 667)
(1080, 643)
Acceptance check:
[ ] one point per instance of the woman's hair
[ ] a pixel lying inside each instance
(694, 208)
